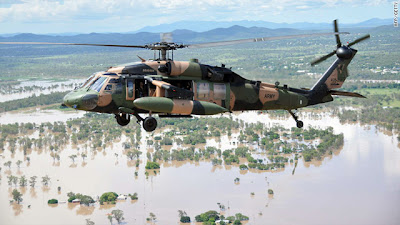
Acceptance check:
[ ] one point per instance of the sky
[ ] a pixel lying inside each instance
(86, 16)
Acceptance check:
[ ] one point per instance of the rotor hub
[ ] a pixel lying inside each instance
(344, 52)
(164, 46)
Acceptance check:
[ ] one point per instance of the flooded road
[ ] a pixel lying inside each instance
(359, 184)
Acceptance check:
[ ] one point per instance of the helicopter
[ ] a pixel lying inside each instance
(184, 88)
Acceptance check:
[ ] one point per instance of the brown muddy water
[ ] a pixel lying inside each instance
(359, 184)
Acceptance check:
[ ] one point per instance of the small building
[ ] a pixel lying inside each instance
(122, 197)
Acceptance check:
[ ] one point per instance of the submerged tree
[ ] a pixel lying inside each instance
(8, 164)
(15, 180)
(152, 217)
(73, 158)
(183, 218)
(17, 196)
(130, 155)
(110, 218)
(10, 180)
(83, 155)
(89, 222)
(23, 181)
(19, 162)
(32, 181)
(45, 180)
(118, 215)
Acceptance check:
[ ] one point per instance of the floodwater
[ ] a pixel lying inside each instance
(38, 116)
(359, 184)
(46, 87)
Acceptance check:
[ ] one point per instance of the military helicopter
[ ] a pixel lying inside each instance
(180, 89)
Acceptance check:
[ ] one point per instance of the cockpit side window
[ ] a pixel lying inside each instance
(114, 86)
(98, 84)
(118, 85)
(114, 81)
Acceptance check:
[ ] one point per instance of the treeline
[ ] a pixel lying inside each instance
(10, 88)
(188, 126)
(375, 109)
(388, 118)
(211, 216)
(97, 131)
(328, 142)
(56, 97)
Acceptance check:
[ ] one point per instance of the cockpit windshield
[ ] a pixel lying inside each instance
(98, 84)
(87, 82)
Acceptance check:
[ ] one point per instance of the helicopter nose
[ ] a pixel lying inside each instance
(81, 100)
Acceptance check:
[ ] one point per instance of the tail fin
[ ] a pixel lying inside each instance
(335, 75)
(333, 78)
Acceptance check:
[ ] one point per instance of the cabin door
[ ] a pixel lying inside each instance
(217, 93)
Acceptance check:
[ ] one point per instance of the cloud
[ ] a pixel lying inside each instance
(93, 9)
(139, 13)
(302, 7)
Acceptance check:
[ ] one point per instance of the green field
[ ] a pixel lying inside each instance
(379, 91)
(389, 96)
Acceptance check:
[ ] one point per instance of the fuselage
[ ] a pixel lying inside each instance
(115, 90)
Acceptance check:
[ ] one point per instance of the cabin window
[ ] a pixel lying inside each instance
(98, 84)
(118, 86)
(220, 91)
(203, 90)
(141, 88)
(184, 84)
(130, 88)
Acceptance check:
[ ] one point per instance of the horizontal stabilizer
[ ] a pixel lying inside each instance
(345, 93)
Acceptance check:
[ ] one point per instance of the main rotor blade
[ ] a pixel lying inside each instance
(233, 42)
(336, 29)
(166, 37)
(52, 43)
(316, 61)
(359, 39)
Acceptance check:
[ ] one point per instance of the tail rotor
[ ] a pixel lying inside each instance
(342, 51)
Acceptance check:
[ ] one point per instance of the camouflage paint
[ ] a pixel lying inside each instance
(215, 89)
(177, 106)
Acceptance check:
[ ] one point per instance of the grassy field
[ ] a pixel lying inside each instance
(379, 91)
(389, 96)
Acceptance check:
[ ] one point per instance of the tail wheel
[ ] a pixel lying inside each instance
(299, 124)
(150, 124)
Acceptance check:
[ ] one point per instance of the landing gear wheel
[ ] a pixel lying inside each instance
(299, 124)
(149, 124)
(123, 119)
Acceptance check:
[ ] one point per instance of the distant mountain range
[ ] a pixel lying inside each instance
(181, 35)
(201, 26)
